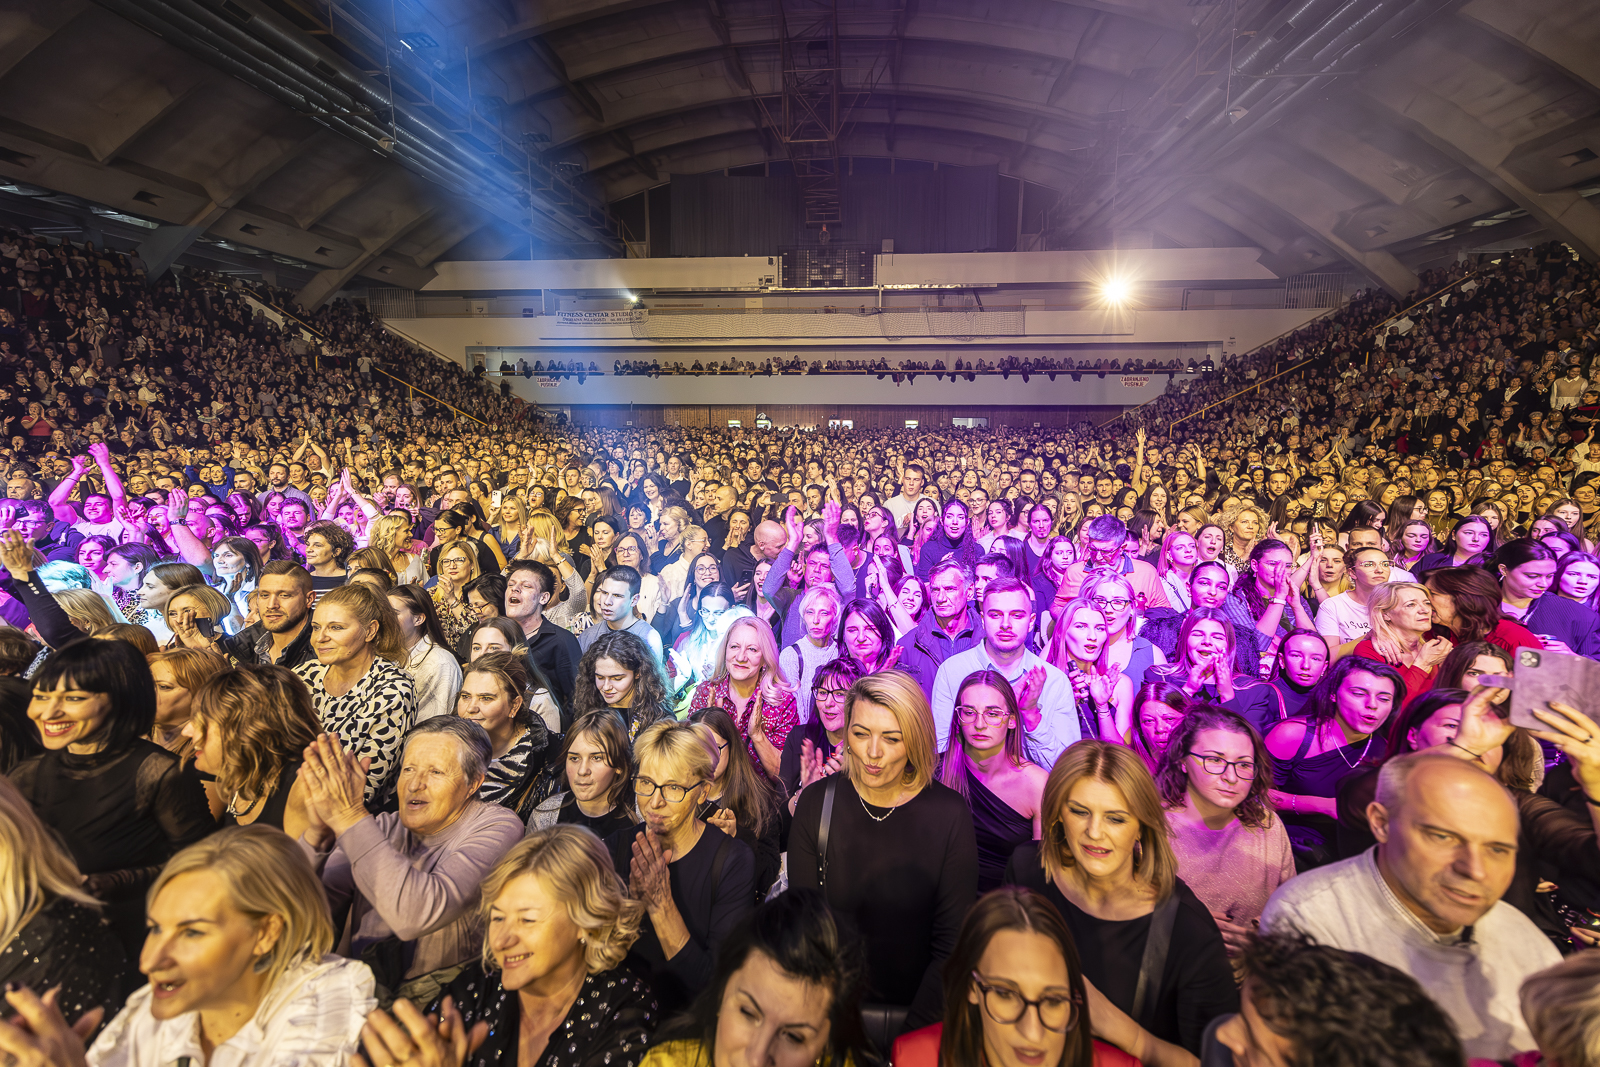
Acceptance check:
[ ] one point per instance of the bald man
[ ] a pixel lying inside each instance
(1426, 898)
(739, 564)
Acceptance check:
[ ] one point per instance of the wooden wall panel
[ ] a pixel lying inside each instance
(642, 416)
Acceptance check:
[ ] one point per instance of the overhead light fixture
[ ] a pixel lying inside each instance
(1116, 291)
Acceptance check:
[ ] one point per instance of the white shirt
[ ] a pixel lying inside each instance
(311, 1018)
(437, 674)
(1058, 723)
(1340, 616)
(1476, 979)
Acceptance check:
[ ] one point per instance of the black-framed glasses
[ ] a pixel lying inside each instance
(644, 787)
(831, 695)
(1114, 603)
(1058, 1012)
(1244, 768)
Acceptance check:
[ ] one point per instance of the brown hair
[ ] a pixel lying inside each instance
(606, 726)
(1006, 908)
(1172, 778)
(1120, 766)
(267, 719)
(953, 767)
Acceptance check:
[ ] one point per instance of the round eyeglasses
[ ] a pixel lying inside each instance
(1058, 1012)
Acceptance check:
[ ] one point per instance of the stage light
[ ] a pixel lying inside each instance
(1116, 291)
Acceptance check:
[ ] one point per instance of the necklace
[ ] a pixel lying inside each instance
(874, 818)
(1364, 748)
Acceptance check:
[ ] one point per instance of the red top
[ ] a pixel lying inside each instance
(1417, 681)
(920, 1048)
(1512, 636)
(777, 717)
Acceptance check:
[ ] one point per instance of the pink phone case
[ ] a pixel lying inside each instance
(1543, 677)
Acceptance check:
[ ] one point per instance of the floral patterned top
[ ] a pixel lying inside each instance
(609, 1024)
(778, 716)
(371, 718)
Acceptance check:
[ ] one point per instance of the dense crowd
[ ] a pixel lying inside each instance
(1005, 366)
(340, 719)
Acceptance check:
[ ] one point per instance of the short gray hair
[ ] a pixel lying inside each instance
(950, 563)
(1106, 528)
(477, 752)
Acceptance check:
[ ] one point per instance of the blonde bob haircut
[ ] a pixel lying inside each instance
(575, 868)
(391, 533)
(1385, 598)
(370, 606)
(898, 692)
(689, 749)
(34, 868)
(217, 607)
(1561, 1006)
(1118, 765)
(771, 673)
(86, 609)
(266, 874)
(545, 527)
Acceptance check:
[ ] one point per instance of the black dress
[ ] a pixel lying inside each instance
(1314, 837)
(122, 815)
(789, 760)
(999, 829)
(1197, 983)
(70, 946)
(711, 895)
(905, 877)
(609, 1024)
(272, 811)
(602, 826)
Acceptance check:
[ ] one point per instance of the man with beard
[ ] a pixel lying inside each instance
(282, 637)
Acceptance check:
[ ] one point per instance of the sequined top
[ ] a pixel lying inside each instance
(609, 1024)
(69, 945)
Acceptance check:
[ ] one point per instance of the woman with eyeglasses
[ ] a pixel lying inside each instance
(1106, 862)
(815, 748)
(1215, 778)
(696, 882)
(989, 766)
(1014, 994)
(1125, 651)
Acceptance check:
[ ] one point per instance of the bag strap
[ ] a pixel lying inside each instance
(826, 821)
(717, 863)
(1154, 964)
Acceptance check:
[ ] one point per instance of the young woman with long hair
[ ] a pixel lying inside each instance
(739, 801)
(1204, 670)
(1103, 694)
(988, 764)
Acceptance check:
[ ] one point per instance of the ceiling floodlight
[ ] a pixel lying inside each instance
(1116, 291)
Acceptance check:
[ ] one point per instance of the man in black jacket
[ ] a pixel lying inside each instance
(551, 649)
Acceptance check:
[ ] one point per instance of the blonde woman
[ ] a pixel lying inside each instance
(748, 683)
(674, 524)
(1105, 861)
(392, 534)
(1402, 636)
(544, 541)
(264, 992)
(50, 929)
(1245, 524)
(901, 859)
(457, 565)
(358, 682)
(513, 521)
(675, 575)
(558, 923)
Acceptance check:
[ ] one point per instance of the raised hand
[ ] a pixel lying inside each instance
(38, 1035)
(336, 783)
(177, 505)
(648, 879)
(16, 554)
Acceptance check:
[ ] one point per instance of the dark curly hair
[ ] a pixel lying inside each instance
(339, 539)
(1344, 1009)
(651, 700)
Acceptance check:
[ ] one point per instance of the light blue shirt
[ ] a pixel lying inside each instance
(1058, 723)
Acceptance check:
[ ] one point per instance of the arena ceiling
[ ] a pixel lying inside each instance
(1382, 134)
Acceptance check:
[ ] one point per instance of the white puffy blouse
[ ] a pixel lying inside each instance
(311, 1018)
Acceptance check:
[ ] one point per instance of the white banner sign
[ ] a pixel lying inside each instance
(1135, 381)
(548, 383)
(600, 318)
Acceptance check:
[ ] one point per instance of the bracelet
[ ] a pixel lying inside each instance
(1294, 803)
(1591, 800)
(1474, 755)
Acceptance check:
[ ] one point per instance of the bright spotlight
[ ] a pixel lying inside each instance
(1116, 291)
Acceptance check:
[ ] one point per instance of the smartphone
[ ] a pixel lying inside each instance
(207, 628)
(1545, 676)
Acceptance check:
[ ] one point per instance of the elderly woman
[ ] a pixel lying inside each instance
(1106, 863)
(1403, 635)
(696, 882)
(413, 875)
(549, 985)
(889, 845)
(358, 683)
